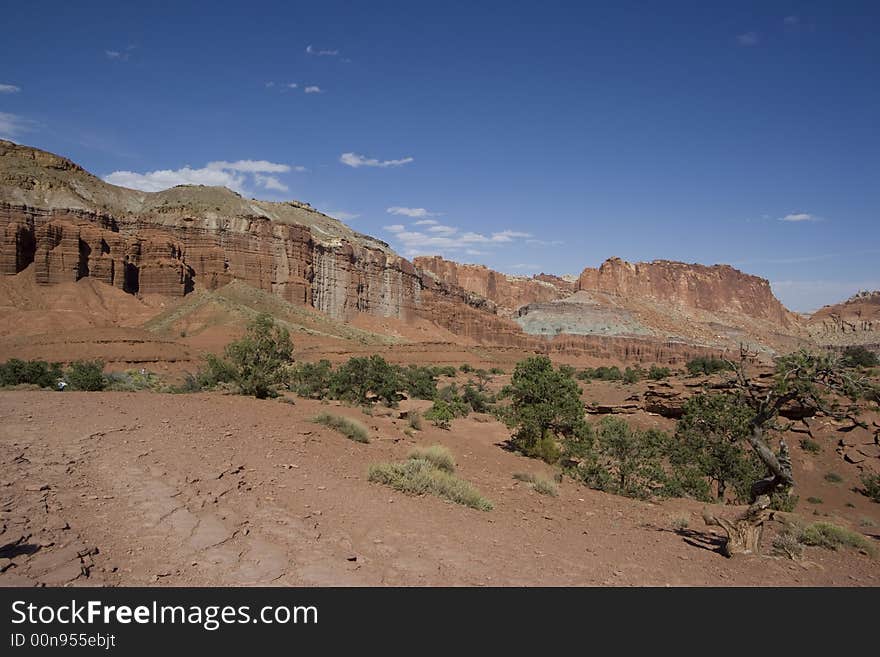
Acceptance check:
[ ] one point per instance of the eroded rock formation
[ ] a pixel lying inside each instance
(853, 322)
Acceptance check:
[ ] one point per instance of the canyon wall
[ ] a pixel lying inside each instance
(719, 288)
(853, 322)
(508, 292)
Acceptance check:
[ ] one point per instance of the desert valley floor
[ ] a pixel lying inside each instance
(211, 489)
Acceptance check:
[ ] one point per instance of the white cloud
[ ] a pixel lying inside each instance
(748, 39)
(313, 89)
(442, 230)
(414, 213)
(438, 238)
(355, 160)
(534, 242)
(426, 222)
(234, 175)
(321, 53)
(270, 182)
(796, 217)
(9, 89)
(292, 85)
(270, 84)
(12, 125)
(250, 166)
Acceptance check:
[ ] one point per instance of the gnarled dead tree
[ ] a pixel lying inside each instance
(817, 382)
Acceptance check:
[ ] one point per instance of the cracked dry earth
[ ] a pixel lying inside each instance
(207, 489)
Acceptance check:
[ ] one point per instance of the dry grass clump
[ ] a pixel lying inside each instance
(539, 483)
(429, 471)
(347, 427)
(437, 455)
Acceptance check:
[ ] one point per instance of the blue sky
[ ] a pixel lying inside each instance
(535, 136)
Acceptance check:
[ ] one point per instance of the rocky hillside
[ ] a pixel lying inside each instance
(70, 225)
(856, 321)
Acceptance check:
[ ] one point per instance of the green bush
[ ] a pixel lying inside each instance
(871, 483)
(612, 373)
(833, 478)
(416, 476)
(419, 382)
(623, 460)
(256, 363)
(312, 380)
(365, 380)
(437, 455)
(467, 369)
(814, 500)
(710, 443)
(859, 356)
(478, 401)
(496, 371)
(445, 370)
(632, 375)
(657, 373)
(441, 414)
(86, 375)
(346, 426)
(545, 407)
(34, 372)
(414, 419)
(707, 365)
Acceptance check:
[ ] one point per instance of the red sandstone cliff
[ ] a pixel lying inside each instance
(508, 292)
(719, 288)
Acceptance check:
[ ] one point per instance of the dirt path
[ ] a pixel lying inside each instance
(150, 489)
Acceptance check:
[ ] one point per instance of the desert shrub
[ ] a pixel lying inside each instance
(538, 483)
(657, 373)
(419, 382)
(311, 380)
(545, 407)
(871, 483)
(810, 446)
(680, 523)
(612, 373)
(496, 371)
(467, 369)
(437, 455)
(623, 460)
(416, 476)
(190, 384)
(814, 500)
(346, 426)
(707, 365)
(832, 537)
(365, 380)
(86, 375)
(256, 363)
(445, 370)
(483, 379)
(477, 400)
(632, 375)
(710, 443)
(441, 414)
(859, 356)
(414, 420)
(787, 543)
(833, 478)
(34, 372)
(131, 381)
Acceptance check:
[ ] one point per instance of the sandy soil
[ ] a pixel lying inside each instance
(207, 489)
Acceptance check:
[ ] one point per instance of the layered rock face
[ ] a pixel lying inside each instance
(853, 322)
(719, 288)
(508, 292)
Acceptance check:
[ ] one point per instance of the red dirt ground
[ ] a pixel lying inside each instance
(209, 489)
